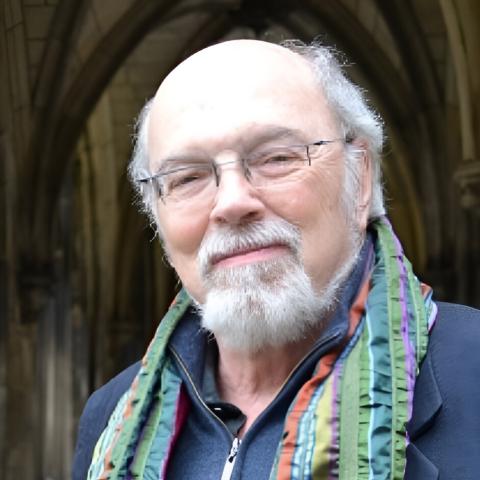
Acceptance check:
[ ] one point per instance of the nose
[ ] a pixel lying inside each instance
(236, 200)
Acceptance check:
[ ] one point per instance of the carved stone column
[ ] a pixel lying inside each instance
(467, 178)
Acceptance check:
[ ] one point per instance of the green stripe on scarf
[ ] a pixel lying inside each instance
(397, 352)
(349, 415)
(156, 434)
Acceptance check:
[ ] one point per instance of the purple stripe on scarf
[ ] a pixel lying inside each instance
(409, 351)
(335, 442)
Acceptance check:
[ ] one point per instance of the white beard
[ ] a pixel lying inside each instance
(270, 303)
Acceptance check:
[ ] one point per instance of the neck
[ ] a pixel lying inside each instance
(251, 380)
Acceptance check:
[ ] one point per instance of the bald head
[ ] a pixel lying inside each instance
(218, 92)
(224, 63)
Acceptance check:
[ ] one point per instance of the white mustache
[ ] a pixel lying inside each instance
(229, 241)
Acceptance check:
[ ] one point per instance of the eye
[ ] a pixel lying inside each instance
(186, 178)
(275, 162)
(279, 158)
(183, 179)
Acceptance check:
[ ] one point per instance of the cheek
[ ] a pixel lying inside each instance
(182, 240)
(325, 183)
(317, 209)
(182, 236)
(317, 200)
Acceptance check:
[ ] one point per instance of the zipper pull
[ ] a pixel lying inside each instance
(230, 462)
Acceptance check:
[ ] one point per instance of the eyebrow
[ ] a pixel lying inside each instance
(267, 133)
(259, 135)
(168, 164)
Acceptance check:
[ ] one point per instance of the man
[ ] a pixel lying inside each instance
(294, 350)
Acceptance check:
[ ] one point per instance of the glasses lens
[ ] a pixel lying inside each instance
(187, 182)
(277, 165)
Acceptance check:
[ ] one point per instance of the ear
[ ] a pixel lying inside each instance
(365, 178)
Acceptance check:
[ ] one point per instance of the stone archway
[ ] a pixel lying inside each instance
(82, 269)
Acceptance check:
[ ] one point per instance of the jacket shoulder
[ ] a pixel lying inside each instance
(454, 353)
(457, 328)
(95, 417)
(445, 424)
(454, 311)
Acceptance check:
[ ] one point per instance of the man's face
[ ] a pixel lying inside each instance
(233, 100)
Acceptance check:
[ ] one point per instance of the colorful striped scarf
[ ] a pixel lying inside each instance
(347, 422)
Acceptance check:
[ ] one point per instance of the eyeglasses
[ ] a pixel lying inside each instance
(194, 181)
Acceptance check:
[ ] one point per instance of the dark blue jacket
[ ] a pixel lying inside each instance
(444, 430)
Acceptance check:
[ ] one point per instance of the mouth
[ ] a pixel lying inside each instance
(248, 255)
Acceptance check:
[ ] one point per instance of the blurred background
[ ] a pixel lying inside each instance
(82, 281)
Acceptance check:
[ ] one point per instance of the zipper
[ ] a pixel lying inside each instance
(230, 462)
(197, 394)
(232, 455)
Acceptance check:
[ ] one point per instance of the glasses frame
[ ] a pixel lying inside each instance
(214, 165)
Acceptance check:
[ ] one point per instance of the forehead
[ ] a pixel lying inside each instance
(219, 94)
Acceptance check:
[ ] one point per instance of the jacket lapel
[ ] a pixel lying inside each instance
(427, 401)
(419, 467)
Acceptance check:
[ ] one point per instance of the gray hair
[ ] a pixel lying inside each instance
(347, 101)
(139, 165)
(356, 118)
